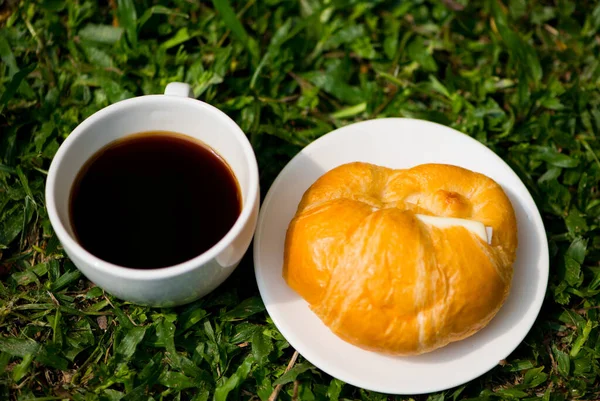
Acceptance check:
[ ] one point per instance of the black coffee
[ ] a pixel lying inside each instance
(153, 200)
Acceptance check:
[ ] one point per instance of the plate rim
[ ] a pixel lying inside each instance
(536, 216)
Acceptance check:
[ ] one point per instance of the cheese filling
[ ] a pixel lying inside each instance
(476, 227)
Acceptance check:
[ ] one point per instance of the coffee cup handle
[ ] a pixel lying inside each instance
(178, 89)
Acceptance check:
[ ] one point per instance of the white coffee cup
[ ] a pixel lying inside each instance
(174, 111)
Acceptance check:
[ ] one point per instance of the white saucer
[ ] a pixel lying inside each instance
(399, 143)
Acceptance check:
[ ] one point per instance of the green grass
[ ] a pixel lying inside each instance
(522, 77)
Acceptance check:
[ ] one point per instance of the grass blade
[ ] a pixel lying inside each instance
(234, 380)
(128, 19)
(13, 85)
(7, 56)
(106, 34)
(234, 25)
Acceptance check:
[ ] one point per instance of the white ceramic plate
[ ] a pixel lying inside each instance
(399, 143)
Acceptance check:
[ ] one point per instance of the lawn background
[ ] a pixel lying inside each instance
(522, 77)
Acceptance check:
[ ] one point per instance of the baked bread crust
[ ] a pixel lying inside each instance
(384, 281)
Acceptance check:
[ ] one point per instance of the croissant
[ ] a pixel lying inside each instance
(383, 279)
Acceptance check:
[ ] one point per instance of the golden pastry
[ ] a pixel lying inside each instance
(365, 251)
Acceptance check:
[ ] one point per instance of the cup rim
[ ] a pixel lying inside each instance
(69, 243)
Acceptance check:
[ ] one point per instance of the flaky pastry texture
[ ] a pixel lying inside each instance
(381, 279)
